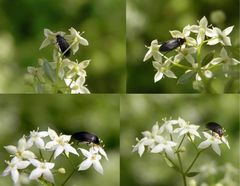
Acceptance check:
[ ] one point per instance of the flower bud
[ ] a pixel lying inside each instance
(62, 170)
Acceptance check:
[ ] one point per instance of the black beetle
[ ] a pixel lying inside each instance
(63, 45)
(215, 127)
(171, 44)
(86, 137)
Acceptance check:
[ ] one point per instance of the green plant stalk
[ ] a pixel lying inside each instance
(181, 142)
(181, 167)
(194, 160)
(70, 175)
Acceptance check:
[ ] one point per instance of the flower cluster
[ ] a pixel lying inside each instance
(194, 37)
(166, 138)
(25, 157)
(61, 75)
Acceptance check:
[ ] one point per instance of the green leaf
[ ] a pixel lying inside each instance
(186, 77)
(50, 73)
(208, 58)
(192, 174)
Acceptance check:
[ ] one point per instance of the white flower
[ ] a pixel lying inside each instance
(187, 54)
(184, 34)
(163, 69)
(36, 138)
(13, 167)
(76, 68)
(185, 128)
(153, 51)
(212, 140)
(77, 87)
(140, 146)
(92, 159)
(98, 149)
(219, 36)
(164, 145)
(168, 125)
(42, 169)
(75, 39)
(50, 38)
(21, 150)
(201, 29)
(225, 60)
(224, 140)
(59, 144)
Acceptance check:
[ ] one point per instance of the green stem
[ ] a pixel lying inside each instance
(174, 164)
(181, 142)
(194, 160)
(51, 157)
(192, 142)
(182, 66)
(70, 175)
(40, 152)
(181, 167)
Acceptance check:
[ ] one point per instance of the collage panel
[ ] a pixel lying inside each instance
(63, 47)
(183, 46)
(179, 139)
(59, 140)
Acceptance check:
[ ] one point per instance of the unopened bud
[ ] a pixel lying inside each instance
(62, 170)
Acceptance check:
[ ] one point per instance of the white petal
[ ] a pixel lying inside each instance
(35, 162)
(22, 144)
(58, 151)
(15, 175)
(148, 55)
(156, 65)
(71, 149)
(40, 143)
(22, 164)
(43, 134)
(228, 30)
(170, 74)
(216, 61)
(158, 76)
(6, 171)
(225, 141)
(85, 164)
(216, 148)
(11, 149)
(28, 154)
(101, 151)
(85, 152)
(98, 167)
(141, 149)
(227, 41)
(83, 41)
(169, 152)
(52, 134)
(51, 145)
(45, 43)
(48, 176)
(205, 144)
(49, 165)
(213, 41)
(35, 174)
(157, 56)
(158, 148)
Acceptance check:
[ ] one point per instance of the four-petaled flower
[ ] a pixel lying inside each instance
(164, 145)
(77, 87)
(186, 128)
(36, 138)
(59, 144)
(13, 167)
(42, 169)
(212, 140)
(163, 69)
(153, 51)
(21, 151)
(93, 158)
(218, 36)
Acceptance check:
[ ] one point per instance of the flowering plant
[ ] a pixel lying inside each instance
(169, 141)
(31, 157)
(189, 56)
(61, 75)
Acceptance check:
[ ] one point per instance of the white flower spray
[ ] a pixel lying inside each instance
(31, 157)
(62, 75)
(188, 55)
(168, 140)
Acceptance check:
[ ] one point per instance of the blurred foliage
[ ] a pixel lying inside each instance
(98, 114)
(140, 112)
(149, 19)
(21, 34)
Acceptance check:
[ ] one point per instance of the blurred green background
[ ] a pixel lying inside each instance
(140, 112)
(98, 114)
(21, 34)
(149, 19)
